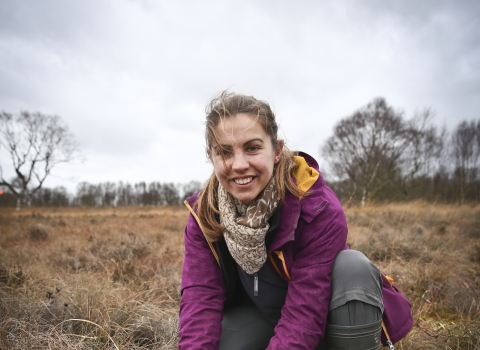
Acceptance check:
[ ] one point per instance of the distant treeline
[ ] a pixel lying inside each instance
(373, 155)
(443, 187)
(109, 194)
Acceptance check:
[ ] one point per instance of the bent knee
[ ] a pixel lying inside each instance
(354, 277)
(352, 270)
(354, 264)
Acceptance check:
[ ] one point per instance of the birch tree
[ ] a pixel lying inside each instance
(35, 144)
(366, 147)
(465, 151)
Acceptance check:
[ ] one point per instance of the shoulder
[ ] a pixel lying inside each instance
(322, 225)
(320, 198)
(193, 232)
(192, 200)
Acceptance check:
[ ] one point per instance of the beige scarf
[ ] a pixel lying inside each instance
(246, 226)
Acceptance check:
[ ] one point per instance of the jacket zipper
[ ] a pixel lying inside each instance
(255, 284)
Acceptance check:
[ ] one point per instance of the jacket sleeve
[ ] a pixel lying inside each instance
(202, 291)
(304, 315)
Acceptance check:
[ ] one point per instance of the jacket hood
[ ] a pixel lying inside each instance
(315, 199)
(305, 175)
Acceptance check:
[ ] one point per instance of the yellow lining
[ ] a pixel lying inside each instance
(274, 264)
(304, 174)
(389, 279)
(201, 229)
(280, 256)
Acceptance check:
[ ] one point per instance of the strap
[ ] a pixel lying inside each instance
(206, 238)
(389, 341)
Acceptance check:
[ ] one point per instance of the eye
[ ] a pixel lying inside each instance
(253, 148)
(225, 152)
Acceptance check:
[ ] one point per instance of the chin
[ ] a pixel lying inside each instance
(247, 200)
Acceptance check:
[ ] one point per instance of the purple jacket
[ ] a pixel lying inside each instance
(311, 233)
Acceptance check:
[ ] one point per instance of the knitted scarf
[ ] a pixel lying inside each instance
(246, 226)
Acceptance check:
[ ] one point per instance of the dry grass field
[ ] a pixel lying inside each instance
(108, 278)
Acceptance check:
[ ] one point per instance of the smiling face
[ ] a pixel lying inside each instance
(244, 159)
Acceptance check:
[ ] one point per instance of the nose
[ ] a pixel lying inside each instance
(240, 162)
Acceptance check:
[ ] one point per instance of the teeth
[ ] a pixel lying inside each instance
(243, 181)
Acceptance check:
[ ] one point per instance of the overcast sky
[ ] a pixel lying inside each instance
(132, 78)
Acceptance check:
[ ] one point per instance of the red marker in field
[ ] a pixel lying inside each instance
(2, 192)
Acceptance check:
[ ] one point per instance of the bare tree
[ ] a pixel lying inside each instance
(109, 193)
(125, 194)
(36, 143)
(155, 189)
(51, 197)
(89, 194)
(465, 151)
(366, 147)
(170, 194)
(421, 158)
(190, 189)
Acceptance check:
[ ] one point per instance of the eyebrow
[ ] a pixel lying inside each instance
(245, 143)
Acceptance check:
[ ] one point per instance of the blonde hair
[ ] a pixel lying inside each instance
(226, 105)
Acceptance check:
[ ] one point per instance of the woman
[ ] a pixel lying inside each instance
(266, 261)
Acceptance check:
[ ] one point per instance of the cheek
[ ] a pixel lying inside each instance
(268, 165)
(219, 167)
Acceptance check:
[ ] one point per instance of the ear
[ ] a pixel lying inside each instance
(278, 151)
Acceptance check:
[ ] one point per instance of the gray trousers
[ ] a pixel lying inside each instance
(354, 318)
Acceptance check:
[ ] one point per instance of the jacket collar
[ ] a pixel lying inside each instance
(288, 222)
(293, 208)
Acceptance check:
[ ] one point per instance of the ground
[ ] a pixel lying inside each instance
(108, 278)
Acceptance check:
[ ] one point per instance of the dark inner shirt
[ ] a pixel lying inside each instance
(272, 289)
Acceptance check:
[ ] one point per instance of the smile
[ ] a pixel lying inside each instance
(243, 181)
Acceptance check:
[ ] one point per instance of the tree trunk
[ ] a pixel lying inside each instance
(364, 197)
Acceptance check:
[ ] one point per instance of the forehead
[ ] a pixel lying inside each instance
(240, 128)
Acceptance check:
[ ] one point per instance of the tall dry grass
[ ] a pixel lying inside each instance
(108, 278)
(90, 278)
(433, 253)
